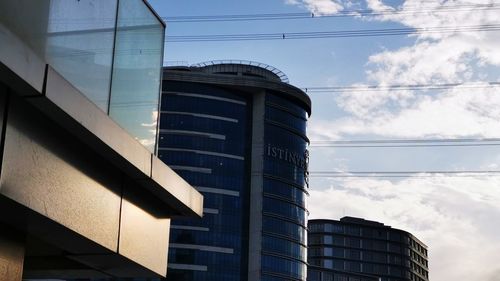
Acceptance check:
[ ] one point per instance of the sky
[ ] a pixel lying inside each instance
(456, 216)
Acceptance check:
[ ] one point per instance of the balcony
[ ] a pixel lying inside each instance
(82, 194)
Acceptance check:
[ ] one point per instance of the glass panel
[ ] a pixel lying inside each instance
(74, 37)
(80, 45)
(137, 71)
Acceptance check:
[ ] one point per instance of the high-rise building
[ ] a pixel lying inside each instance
(236, 131)
(316, 273)
(367, 247)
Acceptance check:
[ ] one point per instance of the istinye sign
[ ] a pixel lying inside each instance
(301, 160)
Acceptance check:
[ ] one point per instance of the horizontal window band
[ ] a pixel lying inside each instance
(202, 248)
(188, 227)
(191, 169)
(192, 267)
(293, 222)
(347, 247)
(287, 256)
(210, 211)
(193, 133)
(283, 218)
(277, 255)
(283, 199)
(208, 116)
(282, 108)
(285, 237)
(203, 152)
(284, 180)
(217, 191)
(273, 235)
(280, 275)
(204, 96)
(288, 128)
(328, 257)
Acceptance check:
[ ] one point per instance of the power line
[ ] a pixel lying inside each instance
(344, 13)
(405, 172)
(402, 174)
(405, 143)
(421, 87)
(409, 145)
(331, 34)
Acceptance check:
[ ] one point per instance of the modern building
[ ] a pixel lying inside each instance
(236, 131)
(316, 273)
(367, 247)
(82, 193)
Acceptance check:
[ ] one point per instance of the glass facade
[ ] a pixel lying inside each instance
(111, 51)
(321, 274)
(245, 149)
(284, 208)
(367, 247)
(203, 137)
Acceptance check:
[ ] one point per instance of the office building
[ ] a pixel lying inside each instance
(316, 273)
(82, 193)
(236, 131)
(367, 247)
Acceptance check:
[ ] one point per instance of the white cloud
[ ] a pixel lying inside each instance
(471, 110)
(149, 140)
(434, 58)
(320, 7)
(454, 216)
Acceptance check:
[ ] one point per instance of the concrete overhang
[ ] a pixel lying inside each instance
(76, 185)
(42, 86)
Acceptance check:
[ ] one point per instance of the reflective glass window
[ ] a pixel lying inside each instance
(135, 89)
(285, 191)
(285, 118)
(296, 109)
(283, 266)
(284, 209)
(283, 247)
(79, 45)
(285, 228)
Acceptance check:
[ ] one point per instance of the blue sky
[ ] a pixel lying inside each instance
(455, 216)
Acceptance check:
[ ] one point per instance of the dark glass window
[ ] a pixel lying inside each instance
(283, 209)
(289, 229)
(204, 140)
(292, 107)
(285, 191)
(283, 247)
(294, 269)
(286, 119)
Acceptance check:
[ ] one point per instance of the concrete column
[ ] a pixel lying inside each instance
(255, 235)
(11, 254)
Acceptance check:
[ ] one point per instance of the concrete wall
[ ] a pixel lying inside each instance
(256, 187)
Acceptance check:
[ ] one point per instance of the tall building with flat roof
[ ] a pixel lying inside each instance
(236, 131)
(367, 247)
(316, 273)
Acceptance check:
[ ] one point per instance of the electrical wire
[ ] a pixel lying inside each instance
(412, 87)
(344, 13)
(401, 143)
(401, 174)
(332, 34)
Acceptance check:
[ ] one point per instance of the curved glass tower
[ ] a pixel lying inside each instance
(284, 213)
(236, 131)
